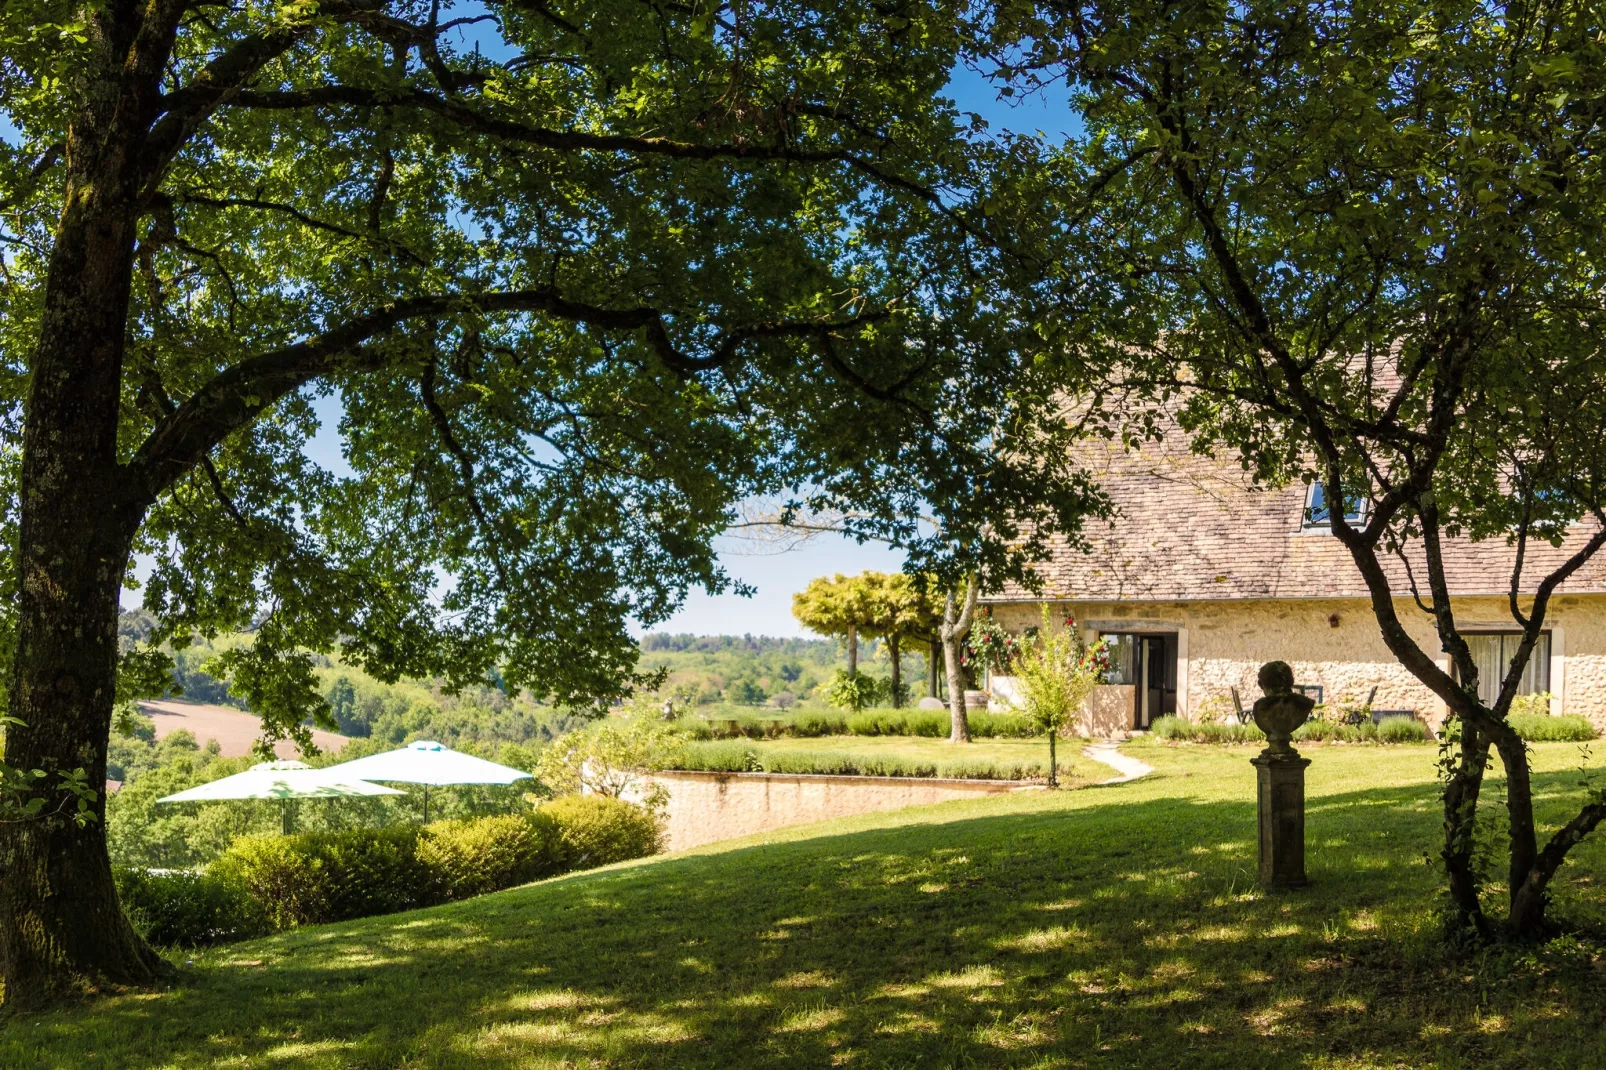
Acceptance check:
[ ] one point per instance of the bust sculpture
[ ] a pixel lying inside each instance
(1279, 712)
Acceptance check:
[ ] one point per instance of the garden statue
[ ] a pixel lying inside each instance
(1280, 712)
(1280, 775)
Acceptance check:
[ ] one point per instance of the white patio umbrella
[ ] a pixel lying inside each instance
(428, 763)
(284, 781)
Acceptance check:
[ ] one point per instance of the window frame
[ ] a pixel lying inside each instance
(1538, 665)
(1307, 522)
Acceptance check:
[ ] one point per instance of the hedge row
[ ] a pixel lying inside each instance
(267, 884)
(933, 724)
(721, 756)
(1535, 728)
(1398, 729)
(1540, 728)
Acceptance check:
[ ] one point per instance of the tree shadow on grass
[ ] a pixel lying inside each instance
(1123, 934)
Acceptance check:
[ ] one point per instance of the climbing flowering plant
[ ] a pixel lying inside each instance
(990, 647)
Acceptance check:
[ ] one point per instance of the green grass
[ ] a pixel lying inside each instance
(1108, 927)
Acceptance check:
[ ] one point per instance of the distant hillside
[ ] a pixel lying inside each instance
(235, 730)
(748, 670)
(703, 670)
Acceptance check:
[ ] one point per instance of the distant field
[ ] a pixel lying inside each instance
(234, 730)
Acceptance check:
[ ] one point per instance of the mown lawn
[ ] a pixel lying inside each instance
(1105, 927)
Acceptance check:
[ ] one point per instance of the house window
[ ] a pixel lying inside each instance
(1492, 653)
(1123, 659)
(1316, 512)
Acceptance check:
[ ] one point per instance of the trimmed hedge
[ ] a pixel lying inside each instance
(176, 908)
(271, 883)
(318, 877)
(472, 857)
(1398, 729)
(595, 830)
(1537, 728)
(931, 724)
(732, 757)
(1543, 728)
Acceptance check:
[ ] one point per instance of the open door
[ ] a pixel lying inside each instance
(1156, 692)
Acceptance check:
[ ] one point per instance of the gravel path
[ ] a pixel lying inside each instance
(1108, 754)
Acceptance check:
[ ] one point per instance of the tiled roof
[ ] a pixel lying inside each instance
(1191, 527)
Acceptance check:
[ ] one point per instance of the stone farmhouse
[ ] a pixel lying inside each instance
(1200, 579)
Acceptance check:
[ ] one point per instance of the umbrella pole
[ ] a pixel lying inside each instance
(284, 815)
(426, 804)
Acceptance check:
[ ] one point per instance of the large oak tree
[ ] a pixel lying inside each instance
(580, 274)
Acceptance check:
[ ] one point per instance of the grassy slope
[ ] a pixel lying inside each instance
(1103, 927)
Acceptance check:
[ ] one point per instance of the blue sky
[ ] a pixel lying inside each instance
(775, 576)
(778, 576)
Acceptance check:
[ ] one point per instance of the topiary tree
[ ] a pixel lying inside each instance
(899, 610)
(839, 606)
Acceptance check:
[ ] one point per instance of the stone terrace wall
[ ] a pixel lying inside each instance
(708, 807)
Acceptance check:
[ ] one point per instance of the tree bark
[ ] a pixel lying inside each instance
(955, 628)
(1461, 790)
(62, 930)
(853, 650)
(933, 650)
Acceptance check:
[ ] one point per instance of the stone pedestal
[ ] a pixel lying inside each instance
(1281, 798)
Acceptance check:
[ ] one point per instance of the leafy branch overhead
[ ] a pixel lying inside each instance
(567, 283)
(530, 279)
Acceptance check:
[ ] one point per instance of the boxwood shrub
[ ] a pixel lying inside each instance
(318, 877)
(595, 830)
(270, 883)
(174, 908)
(472, 857)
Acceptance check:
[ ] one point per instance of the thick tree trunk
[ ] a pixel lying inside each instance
(61, 928)
(955, 628)
(1461, 789)
(1520, 811)
(933, 650)
(853, 650)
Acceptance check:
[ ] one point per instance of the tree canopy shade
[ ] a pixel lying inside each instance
(1360, 244)
(582, 275)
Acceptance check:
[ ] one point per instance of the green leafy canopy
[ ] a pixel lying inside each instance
(581, 276)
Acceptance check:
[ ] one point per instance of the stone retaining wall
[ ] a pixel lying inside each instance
(707, 807)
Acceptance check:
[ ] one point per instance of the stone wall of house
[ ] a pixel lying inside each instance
(1332, 642)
